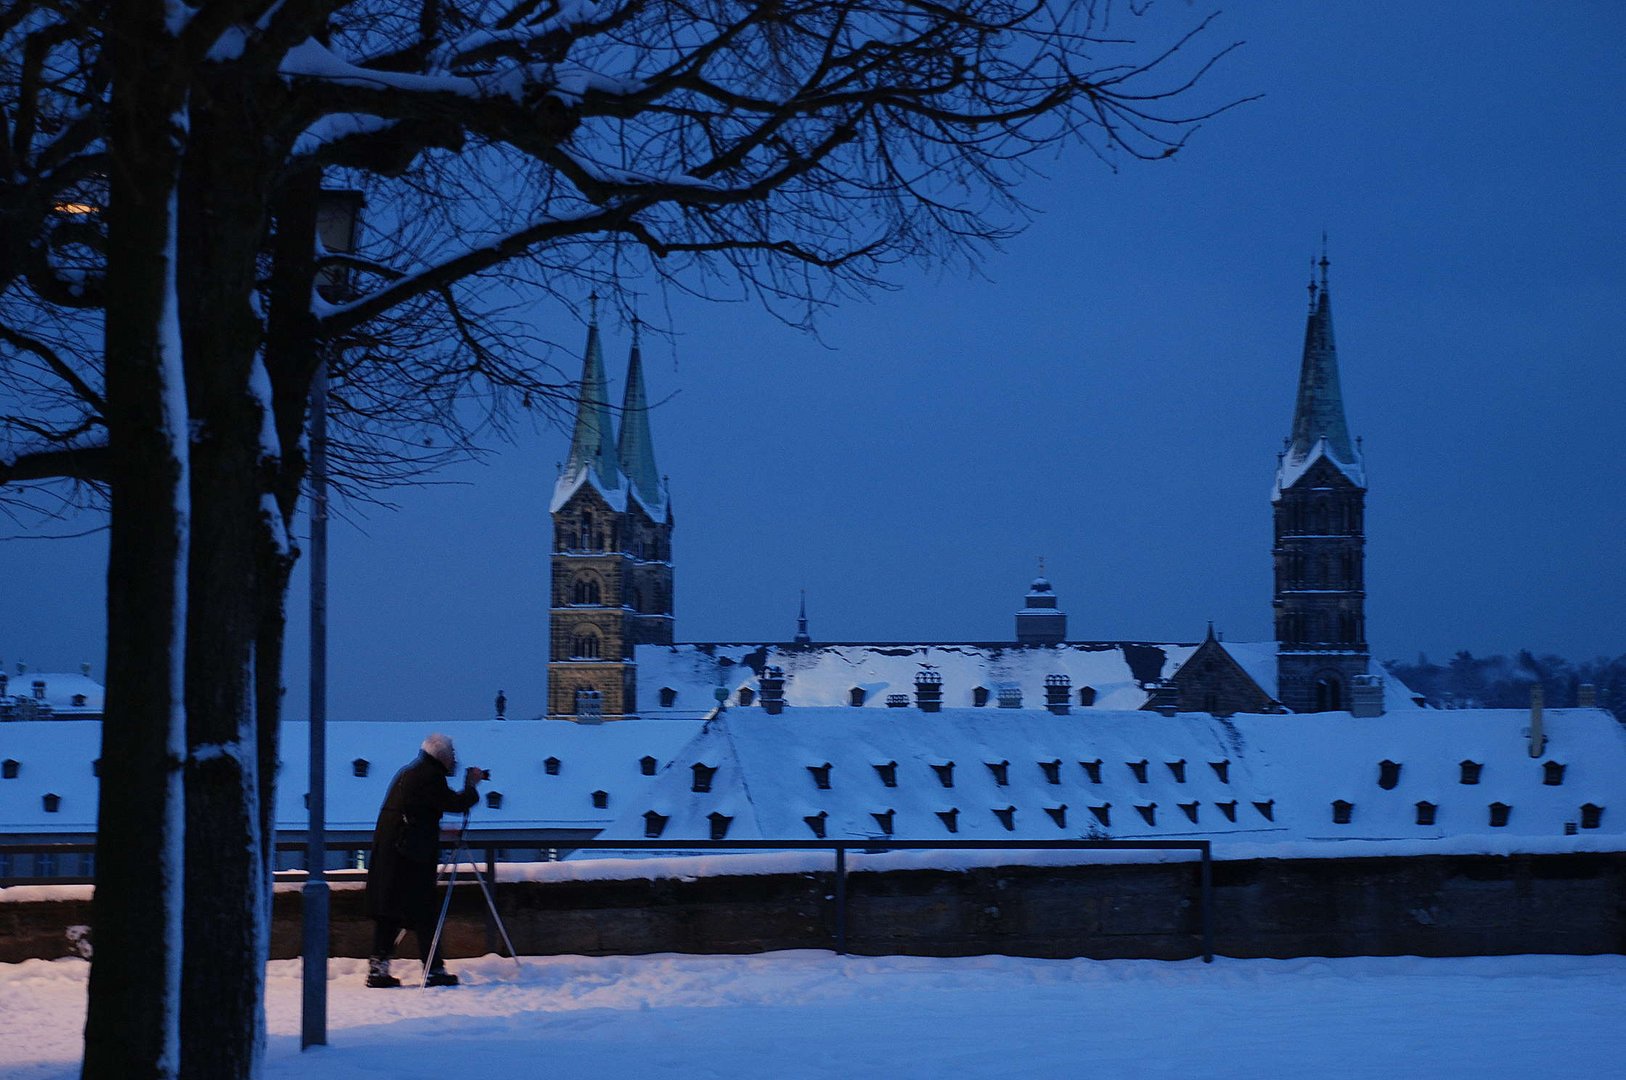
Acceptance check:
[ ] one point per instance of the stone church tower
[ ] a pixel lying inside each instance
(1319, 501)
(612, 551)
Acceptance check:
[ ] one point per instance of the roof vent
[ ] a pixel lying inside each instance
(950, 819)
(1007, 817)
(888, 772)
(1177, 769)
(1189, 809)
(1388, 774)
(1341, 811)
(1092, 769)
(52, 801)
(1267, 809)
(1001, 771)
(1010, 697)
(897, 701)
(1228, 809)
(654, 824)
(773, 690)
(1058, 694)
(1426, 812)
(1058, 814)
(719, 825)
(929, 689)
(945, 773)
(815, 822)
(1149, 812)
(703, 775)
(1139, 769)
(1052, 771)
(883, 818)
(821, 776)
(1222, 769)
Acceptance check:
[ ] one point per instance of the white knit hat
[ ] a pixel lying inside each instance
(439, 747)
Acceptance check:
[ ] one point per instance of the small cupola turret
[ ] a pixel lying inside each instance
(1041, 621)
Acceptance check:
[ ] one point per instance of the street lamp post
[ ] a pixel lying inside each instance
(337, 215)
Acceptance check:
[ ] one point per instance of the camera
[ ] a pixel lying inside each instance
(485, 774)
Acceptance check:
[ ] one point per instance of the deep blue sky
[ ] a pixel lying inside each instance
(1111, 394)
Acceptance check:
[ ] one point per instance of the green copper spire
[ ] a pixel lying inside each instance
(637, 448)
(592, 445)
(1320, 409)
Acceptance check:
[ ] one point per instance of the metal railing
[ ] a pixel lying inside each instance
(839, 848)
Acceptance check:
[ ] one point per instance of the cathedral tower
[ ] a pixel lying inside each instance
(611, 564)
(1319, 501)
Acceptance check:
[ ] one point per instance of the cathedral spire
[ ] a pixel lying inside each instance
(637, 448)
(1319, 412)
(592, 446)
(802, 636)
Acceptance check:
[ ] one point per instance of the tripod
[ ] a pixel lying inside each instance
(461, 854)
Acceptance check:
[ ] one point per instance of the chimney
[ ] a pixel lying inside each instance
(1057, 694)
(928, 690)
(772, 685)
(1366, 695)
(1538, 737)
(1587, 696)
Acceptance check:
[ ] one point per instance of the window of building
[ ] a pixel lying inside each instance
(1388, 774)
(9, 767)
(1001, 771)
(1092, 769)
(747, 695)
(1426, 812)
(1267, 809)
(888, 772)
(883, 820)
(703, 775)
(1103, 814)
(821, 776)
(585, 592)
(601, 800)
(719, 825)
(39, 689)
(950, 819)
(1591, 815)
(493, 800)
(1051, 770)
(1086, 695)
(1552, 773)
(654, 824)
(1148, 812)
(1189, 809)
(815, 822)
(78, 701)
(1471, 771)
(979, 696)
(647, 764)
(359, 767)
(551, 766)
(1341, 811)
(1499, 812)
(1139, 769)
(1007, 817)
(855, 696)
(1228, 809)
(1222, 769)
(668, 697)
(585, 646)
(1177, 769)
(52, 801)
(1058, 814)
(945, 773)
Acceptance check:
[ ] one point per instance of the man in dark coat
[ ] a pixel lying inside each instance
(406, 858)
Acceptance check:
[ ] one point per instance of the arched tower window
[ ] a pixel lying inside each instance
(586, 591)
(1329, 694)
(585, 645)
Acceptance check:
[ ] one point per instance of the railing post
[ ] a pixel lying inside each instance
(1208, 902)
(841, 900)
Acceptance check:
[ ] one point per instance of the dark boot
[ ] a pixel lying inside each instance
(378, 973)
(439, 976)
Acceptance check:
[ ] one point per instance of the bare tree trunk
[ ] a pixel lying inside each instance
(222, 999)
(131, 1027)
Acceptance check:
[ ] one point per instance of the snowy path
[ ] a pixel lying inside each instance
(810, 1015)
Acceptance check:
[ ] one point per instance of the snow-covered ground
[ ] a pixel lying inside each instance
(816, 1015)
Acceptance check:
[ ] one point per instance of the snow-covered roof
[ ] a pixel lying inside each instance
(57, 759)
(1294, 465)
(826, 675)
(68, 695)
(1248, 777)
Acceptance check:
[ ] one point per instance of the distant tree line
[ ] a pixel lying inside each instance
(1503, 682)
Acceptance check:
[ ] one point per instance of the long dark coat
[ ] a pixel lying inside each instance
(406, 842)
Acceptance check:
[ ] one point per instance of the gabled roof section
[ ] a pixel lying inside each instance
(592, 445)
(636, 450)
(1319, 427)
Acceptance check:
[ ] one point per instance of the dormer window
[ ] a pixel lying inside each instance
(703, 775)
(493, 800)
(1052, 771)
(821, 776)
(719, 825)
(883, 820)
(8, 768)
(1499, 812)
(1149, 812)
(1177, 769)
(1426, 812)
(1058, 814)
(1103, 814)
(1222, 769)
(979, 696)
(945, 773)
(1388, 774)
(359, 767)
(1341, 811)
(39, 689)
(888, 772)
(1591, 815)
(1552, 773)
(855, 696)
(950, 819)
(1228, 809)
(1139, 769)
(646, 765)
(1007, 817)
(668, 697)
(1267, 809)
(551, 766)
(1471, 771)
(654, 824)
(747, 695)
(1092, 769)
(78, 701)
(1001, 771)
(815, 822)
(52, 801)
(1189, 809)
(1086, 696)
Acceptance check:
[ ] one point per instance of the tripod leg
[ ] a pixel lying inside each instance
(434, 945)
(491, 905)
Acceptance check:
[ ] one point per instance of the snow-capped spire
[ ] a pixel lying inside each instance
(592, 446)
(637, 448)
(1319, 427)
(802, 636)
